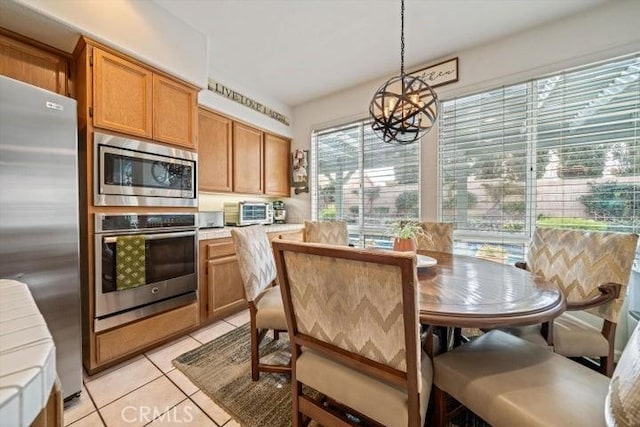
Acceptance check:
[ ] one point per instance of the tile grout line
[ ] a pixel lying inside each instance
(188, 396)
(202, 409)
(129, 392)
(95, 409)
(162, 373)
(168, 409)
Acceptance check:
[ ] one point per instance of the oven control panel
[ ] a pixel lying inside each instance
(132, 222)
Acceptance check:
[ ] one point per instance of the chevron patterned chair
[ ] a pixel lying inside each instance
(258, 272)
(329, 232)
(440, 237)
(353, 324)
(592, 270)
(508, 382)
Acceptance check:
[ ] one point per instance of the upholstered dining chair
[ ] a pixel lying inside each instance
(353, 324)
(258, 272)
(329, 232)
(508, 382)
(592, 270)
(439, 237)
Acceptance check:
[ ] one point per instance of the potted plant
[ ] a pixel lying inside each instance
(405, 234)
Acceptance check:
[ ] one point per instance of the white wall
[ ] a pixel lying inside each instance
(239, 111)
(600, 33)
(141, 29)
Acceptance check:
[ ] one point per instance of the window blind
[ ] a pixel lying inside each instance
(483, 160)
(364, 181)
(561, 151)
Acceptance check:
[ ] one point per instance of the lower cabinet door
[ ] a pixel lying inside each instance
(225, 288)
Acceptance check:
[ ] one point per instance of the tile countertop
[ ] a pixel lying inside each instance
(218, 233)
(27, 356)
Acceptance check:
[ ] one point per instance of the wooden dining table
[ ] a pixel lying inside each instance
(467, 292)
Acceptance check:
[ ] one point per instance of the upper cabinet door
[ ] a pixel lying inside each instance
(174, 112)
(215, 155)
(122, 97)
(247, 159)
(32, 65)
(276, 165)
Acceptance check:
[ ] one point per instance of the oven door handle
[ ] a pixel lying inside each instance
(113, 239)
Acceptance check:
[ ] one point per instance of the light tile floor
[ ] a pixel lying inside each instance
(148, 390)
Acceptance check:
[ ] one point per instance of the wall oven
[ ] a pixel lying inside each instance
(145, 264)
(128, 172)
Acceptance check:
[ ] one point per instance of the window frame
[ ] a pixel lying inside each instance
(531, 185)
(359, 230)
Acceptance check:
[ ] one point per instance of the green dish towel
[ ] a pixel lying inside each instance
(130, 262)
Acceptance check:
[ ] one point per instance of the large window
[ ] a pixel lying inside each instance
(364, 181)
(561, 151)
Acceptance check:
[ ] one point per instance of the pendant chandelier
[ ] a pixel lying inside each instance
(405, 107)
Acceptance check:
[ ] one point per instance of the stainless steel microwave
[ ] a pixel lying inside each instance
(248, 213)
(129, 172)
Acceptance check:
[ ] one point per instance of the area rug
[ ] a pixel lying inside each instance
(222, 370)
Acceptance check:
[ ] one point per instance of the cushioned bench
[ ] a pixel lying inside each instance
(510, 382)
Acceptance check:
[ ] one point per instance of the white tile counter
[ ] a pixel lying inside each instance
(27, 356)
(218, 233)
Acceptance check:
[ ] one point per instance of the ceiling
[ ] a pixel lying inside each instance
(296, 50)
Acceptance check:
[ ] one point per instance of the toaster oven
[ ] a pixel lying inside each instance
(248, 213)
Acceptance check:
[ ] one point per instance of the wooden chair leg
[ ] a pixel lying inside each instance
(457, 337)
(546, 329)
(276, 335)
(255, 356)
(439, 413)
(606, 366)
(606, 363)
(296, 415)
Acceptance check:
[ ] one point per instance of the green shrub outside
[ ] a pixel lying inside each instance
(328, 213)
(572, 223)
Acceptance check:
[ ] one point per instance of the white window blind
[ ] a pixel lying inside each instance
(364, 181)
(561, 151)
(483, 160)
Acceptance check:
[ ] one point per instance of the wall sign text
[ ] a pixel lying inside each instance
(231, 94)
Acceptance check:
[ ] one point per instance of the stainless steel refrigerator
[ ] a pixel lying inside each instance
(39, 240)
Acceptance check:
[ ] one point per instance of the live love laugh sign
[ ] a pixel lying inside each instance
(231, 94)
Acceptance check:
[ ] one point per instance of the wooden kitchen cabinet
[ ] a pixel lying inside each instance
(123, 95)
(33, 65)
(215, 152)
(174, 112)
(221, 290)
(248, 159)
(130, 97)
(126, 340)
(221, 287)
(276, 165)
(236, 157)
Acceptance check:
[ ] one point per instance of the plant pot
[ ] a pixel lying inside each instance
(404, 245)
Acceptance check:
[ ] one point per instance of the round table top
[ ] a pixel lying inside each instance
(463, 291)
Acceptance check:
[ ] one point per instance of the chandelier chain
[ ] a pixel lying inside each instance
(405, 107)
(402, 38)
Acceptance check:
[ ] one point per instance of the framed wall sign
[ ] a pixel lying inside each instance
(299, 171)
(439, 74)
